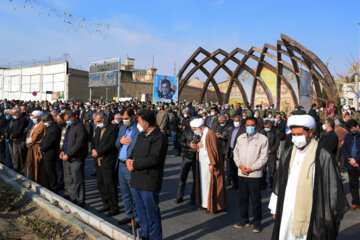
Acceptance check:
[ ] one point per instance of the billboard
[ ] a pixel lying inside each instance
(105, 79)
(305, 89)
(165, 88)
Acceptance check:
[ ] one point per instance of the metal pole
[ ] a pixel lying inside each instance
(356, 92)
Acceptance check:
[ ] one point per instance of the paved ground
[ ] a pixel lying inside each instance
(184, 221)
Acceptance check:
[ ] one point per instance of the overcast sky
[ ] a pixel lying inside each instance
(173, 29)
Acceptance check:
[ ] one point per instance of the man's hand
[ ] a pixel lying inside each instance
(353, 162)
(274, 216)
(129, 165)
(65, 157)
(124, 140)
(211, 168)
(218, 135)
(200, 144)
(248, 170)
(61, 155)
(243, 168)
(193, 145)
(94, 153)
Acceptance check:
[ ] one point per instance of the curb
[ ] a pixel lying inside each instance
(79, 217)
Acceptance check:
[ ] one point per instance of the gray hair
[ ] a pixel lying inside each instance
(237, 116)
(16, 109)
(100, 114)
(222, 117)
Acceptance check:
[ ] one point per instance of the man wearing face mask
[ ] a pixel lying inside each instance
(308, 199)
(74, 151)
(274, 143)
(222, 133)
(232, 172)
(210, 189)
(146, 164)
(260, 121)
(125, 143)
(162, 119)
(175, 131)
(250, 155)
(104, 154)
(351, 153)
(34, 169)
(329, 139)
(212, 122)
(50, 147)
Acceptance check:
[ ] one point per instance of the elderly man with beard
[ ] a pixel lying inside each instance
(308, 199)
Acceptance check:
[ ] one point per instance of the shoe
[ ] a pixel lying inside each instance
(257, 229)
(124, 221)
(80, 204)
(93, 174)
(202, 209)
(67, 197)
(179, 200)
(112, 212)
(240, 225)
(178, 154)
(354, 207)
(103, 209)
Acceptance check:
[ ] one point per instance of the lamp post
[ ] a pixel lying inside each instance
(357, 80)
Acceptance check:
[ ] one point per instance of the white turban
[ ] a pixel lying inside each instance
(37, 113)
(196, 123)
(301, 121)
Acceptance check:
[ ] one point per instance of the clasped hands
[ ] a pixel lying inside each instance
(130, 165)
(245, 170)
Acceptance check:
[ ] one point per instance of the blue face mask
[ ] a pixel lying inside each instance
(69, 122)
(267, 129)
(47, 124)
(278, 123)
(250, 130)
(7, 117)
(15, 117)
(197, 132)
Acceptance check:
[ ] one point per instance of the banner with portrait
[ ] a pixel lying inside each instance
(165, 89)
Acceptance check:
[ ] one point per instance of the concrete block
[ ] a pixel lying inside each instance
(107, 228)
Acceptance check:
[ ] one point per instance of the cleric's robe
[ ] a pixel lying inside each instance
(34, 165)
(329, 200)
(217, 190)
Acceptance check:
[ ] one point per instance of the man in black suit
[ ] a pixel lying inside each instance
(231, 168)
(105, 155)
(50, 147)
(314, 114)
(19, 124)
(329, 140)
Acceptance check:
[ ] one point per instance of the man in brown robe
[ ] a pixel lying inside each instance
(210, 190)
(34, 166)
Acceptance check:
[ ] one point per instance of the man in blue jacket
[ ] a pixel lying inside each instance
(351, 154)
(125, 143)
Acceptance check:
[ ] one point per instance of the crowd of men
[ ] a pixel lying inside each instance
(298, 155)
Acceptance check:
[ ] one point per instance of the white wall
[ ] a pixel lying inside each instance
(19, 83)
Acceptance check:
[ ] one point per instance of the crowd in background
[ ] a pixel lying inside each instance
(49, 142)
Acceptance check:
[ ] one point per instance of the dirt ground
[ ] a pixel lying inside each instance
(22, 219)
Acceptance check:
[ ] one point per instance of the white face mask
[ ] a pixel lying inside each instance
(126, 122)
(116, 122)
(324, 127)
(185, 115)
(212, 113)
(236, 124)
(299, 141)
(140, 128)
(100, 125)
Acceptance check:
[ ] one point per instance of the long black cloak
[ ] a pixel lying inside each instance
(329, 200)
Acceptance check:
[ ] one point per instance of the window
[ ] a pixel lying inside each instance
(350, 101)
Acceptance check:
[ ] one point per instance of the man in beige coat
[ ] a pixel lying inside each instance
(162, 119)
(250, 156)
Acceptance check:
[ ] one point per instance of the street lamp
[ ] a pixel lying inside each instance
(357, 80)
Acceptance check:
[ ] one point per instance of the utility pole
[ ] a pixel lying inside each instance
(153, 60)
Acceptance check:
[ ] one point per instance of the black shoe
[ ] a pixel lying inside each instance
(103, 209)
(112, 213)
(240, 225)
(93, 174)
(67, 197)
(80, 204)
(124, 221)
(179, 200)
(178, 154)
(257, 229)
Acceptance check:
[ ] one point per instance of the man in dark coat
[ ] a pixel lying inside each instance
(49, 147)
(146, 165)
(350, 150)
(74, 153)
(16, 135)
(231, 168)
(329, 140)
(222, 133)
(308, 199)
(104, 153)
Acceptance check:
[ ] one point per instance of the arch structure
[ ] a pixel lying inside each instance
(289, 58)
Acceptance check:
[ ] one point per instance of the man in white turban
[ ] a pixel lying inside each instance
(308, 199)
(210, 189)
